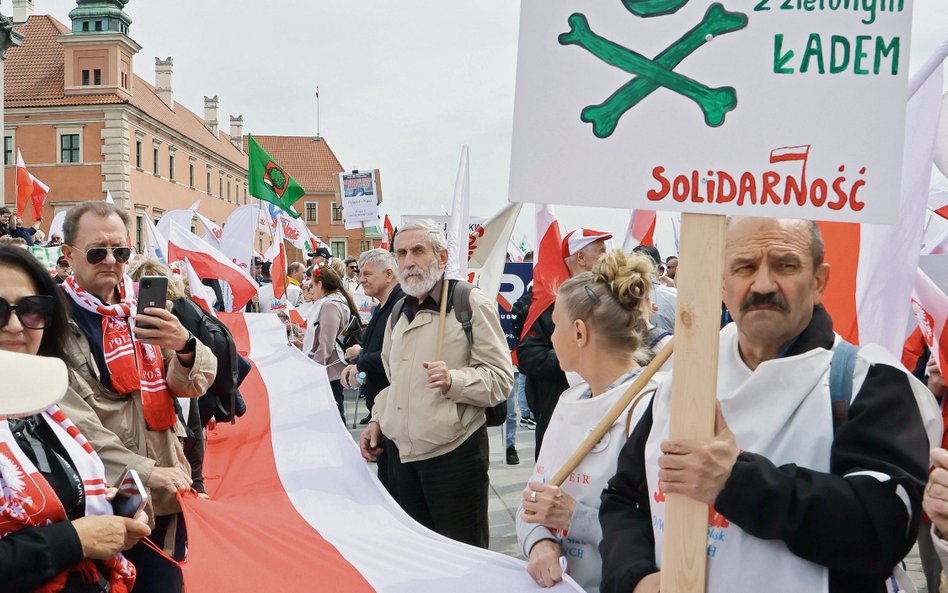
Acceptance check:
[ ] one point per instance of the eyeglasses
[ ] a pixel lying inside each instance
(97, 255)
(34, 312)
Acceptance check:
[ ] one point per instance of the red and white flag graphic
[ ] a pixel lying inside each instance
(549, 270)
(388, 231)
(295, 509)
(29, 190)
(930, 306)
(276, 255)
(210, 263)
(240, 232)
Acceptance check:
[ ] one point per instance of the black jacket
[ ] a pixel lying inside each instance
(856, 528)
(545, 381)
(369, 360)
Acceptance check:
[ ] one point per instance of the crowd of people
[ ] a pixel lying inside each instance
(817, 476)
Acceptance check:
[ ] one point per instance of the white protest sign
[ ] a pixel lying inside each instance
(783, 108)
(359, 198)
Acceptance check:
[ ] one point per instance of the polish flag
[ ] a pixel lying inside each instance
(29, 189)
(210, 263)
(458, 233)
(641, 230)
(549, 270)
(388, 231)
(181, 217)
(293, 507)
(198, 290)
(276, 254)
(212, 231)
(872, 265)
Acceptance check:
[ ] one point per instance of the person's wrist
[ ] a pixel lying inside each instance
(190, 345)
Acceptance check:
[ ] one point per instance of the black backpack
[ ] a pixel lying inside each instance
(459, 294)
(222, 399)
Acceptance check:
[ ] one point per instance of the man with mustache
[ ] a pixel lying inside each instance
(804, 496)
(433, 410)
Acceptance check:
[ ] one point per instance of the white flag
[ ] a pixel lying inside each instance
(457, 234)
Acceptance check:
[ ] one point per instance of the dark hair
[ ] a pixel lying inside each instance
(100, 208)
(332, 283)
(651, 251)
(54, 336)
(5, 210)
(670, 257)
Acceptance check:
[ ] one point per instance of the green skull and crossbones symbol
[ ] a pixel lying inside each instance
(652, 74)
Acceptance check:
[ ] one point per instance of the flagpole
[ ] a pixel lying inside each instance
(317, 112)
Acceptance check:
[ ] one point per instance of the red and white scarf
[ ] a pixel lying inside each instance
(133, 366)
(27, 499)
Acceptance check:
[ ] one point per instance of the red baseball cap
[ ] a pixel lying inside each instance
(580, 238)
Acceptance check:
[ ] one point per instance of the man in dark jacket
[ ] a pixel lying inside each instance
(377, 277)
(802, 498)
(545, 381)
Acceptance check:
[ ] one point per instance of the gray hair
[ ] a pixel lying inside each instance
(434, 231)
(380, 257)
(100, 208)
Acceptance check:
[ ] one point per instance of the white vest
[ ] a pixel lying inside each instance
(573, 419)
(782, 411)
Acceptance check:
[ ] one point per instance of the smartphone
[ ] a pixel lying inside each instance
(152, 292)
(131, 497)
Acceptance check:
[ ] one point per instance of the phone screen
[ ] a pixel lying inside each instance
(152, 292)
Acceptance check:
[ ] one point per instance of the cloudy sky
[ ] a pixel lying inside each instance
(403, 85)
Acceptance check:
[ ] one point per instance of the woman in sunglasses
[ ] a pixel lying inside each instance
(601, 322)
(72, 542)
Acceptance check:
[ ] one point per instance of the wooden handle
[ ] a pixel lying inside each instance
(613, 414)
(439, 344)
(697, 331)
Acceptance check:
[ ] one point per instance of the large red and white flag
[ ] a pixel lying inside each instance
(29, 190)
(549, 270)
(873, 266)
(641, 229)
(240, 234)
(457, 235)
(276, 255)
(295, 509)
(210, 263)
(487, 252)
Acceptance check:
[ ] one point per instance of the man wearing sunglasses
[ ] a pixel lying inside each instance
(132, 373)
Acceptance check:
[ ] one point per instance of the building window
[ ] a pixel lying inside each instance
(69, 148)
(85, 26)
(208, 182)
(171, 167)
(139, 148)
(220, 189)
(85, 78)
(312, 212)
(8, 150)
(156, 166)
(191, 175)
(228, 191)
(336, 212)
(97, 76)
(139, 232)
(245, 194)
(158, 214)
(98, 25)
(124, 80)
(338, 249)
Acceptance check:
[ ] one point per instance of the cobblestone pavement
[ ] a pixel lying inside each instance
(508, 481)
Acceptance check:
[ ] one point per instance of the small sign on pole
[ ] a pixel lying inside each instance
(360, 196)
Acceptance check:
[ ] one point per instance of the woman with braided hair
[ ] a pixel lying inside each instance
(601, 322)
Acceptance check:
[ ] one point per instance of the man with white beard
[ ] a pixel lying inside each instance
(433, 410)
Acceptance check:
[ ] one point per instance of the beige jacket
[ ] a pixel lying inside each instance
(422, 422)
(115, 424)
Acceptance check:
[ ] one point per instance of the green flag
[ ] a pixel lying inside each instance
(269, 182)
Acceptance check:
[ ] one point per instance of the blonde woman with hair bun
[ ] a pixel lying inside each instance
(601, 322)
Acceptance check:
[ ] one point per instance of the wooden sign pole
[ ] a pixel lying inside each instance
(694, 382)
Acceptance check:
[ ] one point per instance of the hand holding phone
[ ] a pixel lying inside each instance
(131, 496)
(152, 292)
